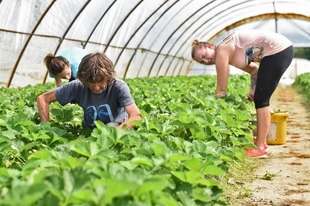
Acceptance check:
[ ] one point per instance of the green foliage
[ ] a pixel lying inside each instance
(303, 52)
(302, 84)
(181, 148)
(269, 176)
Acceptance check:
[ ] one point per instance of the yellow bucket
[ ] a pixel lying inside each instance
(277, 130)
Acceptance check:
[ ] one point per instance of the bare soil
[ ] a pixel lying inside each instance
(287, 165)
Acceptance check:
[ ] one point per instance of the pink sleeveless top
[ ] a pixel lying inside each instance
(253, 45)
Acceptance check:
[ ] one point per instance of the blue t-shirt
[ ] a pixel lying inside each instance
(74, 56)
(106, 107)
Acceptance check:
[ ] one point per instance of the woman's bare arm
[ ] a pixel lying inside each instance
(58, 81)
(223, 57)
(252, 69)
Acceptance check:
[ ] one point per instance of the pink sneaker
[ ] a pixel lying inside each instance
(265, 146)
(256, 153)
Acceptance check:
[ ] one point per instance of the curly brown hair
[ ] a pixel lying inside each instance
(94, 68)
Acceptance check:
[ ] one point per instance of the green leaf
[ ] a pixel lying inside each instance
(143, 161)
(72, 162)
(117, 188)
(74, 181)
(20, 119)
(48, 200)
(22, 194)
(203, 194)
(109, 154)
(242, 115)
(238, 153)
(8, 134)
(185, 199)
(129, 165)
(17, 144)
(205, 182)
(211, 145)
(5, 147)
(227, 157)
(155, 183)
(235, 141)
(158, 160)
(135, 141)
(211, 120)
(187, 176)
(42, 154)
(58, 131)
(199, 146)
(85, 195)
(104, 141)
(178, 157)
(3, 122)
(29, 146)
(7, 172)
(199, 134)
(165, 199)
(198, 99)
(213, 170)
(110, 132)
(195, 164)
(179, 142)
(160, 148)
(87, 149)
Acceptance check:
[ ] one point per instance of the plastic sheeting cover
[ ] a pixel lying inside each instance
(142, 37)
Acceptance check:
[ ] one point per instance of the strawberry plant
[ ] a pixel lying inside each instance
(177, 156)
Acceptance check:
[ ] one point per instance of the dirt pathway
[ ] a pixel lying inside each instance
(288, 165)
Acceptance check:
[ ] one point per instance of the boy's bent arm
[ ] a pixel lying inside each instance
(133, 113)
(43, 102)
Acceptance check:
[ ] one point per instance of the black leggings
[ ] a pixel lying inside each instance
(269, 74)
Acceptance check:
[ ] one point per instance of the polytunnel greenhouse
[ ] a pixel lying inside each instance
(142, 38)
(186, 145)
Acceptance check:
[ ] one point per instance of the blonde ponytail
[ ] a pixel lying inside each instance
(195, 42)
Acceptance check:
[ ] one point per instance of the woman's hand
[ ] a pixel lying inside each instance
(220, 94)
(251, 94)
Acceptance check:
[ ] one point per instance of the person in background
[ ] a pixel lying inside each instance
(64, 65)
(102, 96)
(241, 49)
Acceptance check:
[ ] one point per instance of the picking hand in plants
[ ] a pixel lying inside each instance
(97, 91)
(64, 65)
(241, 49)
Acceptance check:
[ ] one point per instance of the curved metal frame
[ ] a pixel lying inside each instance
(198, 27)
(172, 35)
(273, 15)
(66, 32)
(120, 25)
(27, 42)
(158, 35)
(178, 40)
(102, 16)
(126, 70)
(193, 33)
(136, 32)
